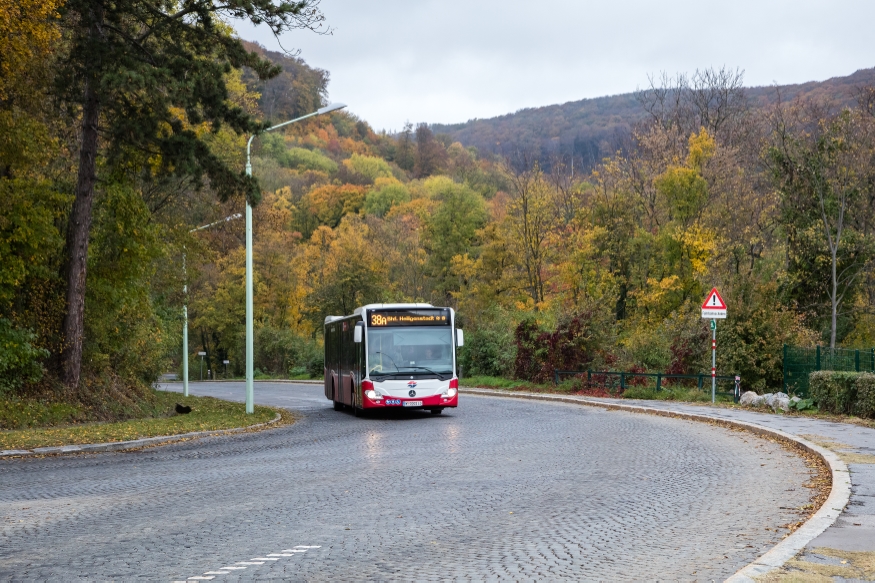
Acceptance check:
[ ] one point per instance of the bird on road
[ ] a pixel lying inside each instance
(183, 409)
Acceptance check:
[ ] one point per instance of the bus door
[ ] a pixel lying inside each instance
(346, 355)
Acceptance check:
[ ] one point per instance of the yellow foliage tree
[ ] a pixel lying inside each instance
(28, 30)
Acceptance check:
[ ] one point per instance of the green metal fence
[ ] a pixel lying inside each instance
(800, 362)
(616, 382)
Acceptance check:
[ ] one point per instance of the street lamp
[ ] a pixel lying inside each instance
(185, 304)
(250, 397)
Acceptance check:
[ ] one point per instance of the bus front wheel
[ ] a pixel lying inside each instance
(338, 406)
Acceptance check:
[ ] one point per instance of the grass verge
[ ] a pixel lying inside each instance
(678, 394)
(573, 386)
(208, 414)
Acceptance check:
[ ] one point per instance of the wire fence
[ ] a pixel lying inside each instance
(800, 362)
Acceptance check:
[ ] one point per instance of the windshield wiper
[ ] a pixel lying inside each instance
(439, 375)
(390, 359)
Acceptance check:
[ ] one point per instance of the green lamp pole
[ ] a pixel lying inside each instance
(250, 374)
(185, 303)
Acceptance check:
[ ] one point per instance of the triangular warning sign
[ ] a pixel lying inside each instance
(714, 301)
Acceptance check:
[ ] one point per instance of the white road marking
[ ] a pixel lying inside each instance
(209, 575)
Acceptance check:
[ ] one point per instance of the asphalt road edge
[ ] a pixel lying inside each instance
(132, 444)
(788, 548)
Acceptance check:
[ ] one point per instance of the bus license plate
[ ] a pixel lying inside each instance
(413, 403)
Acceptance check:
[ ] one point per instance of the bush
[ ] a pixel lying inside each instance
(487, 352)
(278, 351)
(866, 395)
(20, 361)
(834, 391)
(571, 346)
(316, 366)
(752, 337)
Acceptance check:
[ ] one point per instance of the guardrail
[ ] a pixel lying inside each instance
(623, 377)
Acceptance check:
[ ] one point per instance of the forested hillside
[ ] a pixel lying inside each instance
(592, 129)
(603, 269)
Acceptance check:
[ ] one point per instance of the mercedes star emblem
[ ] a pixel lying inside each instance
(412, 393)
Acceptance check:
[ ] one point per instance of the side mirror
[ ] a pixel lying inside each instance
(460, 337)
(357, 333)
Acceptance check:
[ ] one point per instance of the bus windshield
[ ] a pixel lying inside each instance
(410, 350)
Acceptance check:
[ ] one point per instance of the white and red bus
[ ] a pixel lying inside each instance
(392, 355)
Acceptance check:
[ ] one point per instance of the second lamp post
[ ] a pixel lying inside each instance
(250, 370)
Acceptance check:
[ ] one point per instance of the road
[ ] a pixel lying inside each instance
(497, 489)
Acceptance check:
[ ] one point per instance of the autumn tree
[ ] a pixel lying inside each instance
(405, 155)
(714, 99)
(353, 274)
(451, 230)
(820, 161)
(145, 75)
(530, 219)
(431, 156)
(28, 31)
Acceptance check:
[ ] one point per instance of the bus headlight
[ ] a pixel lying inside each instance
(368, 389)
(454, 388)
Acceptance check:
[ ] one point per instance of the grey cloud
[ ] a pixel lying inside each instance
(449, 61)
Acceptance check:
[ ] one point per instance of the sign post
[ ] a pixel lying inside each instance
(714, 308)
(202, 354)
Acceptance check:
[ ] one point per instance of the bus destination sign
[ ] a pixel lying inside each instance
(409, 318)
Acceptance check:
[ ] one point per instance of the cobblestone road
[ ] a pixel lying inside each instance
(498, 489)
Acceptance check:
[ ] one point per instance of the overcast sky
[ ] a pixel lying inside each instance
(452, 60)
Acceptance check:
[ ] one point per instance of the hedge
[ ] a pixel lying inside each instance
(848, 393)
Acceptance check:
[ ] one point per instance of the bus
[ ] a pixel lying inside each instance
(392, 355)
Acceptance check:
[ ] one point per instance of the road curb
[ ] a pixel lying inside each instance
(788, 548)
(132, 444)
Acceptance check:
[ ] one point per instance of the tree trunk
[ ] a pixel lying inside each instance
(834, 298)
(78, 231)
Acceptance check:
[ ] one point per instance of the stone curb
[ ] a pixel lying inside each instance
(788, 548)
(132, 444)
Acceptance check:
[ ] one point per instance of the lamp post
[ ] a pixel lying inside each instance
(185, 303)
(250, 396)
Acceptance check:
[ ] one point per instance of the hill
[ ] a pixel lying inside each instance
(595, 128)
